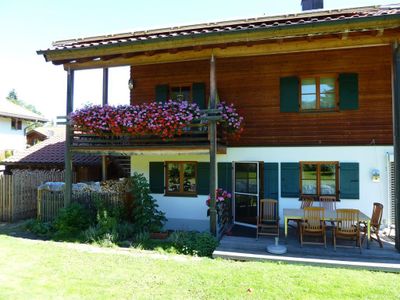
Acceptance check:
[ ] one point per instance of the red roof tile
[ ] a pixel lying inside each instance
(49, 151)
(312, 17)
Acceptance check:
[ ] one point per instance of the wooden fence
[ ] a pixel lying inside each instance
(5, 198)
(18, 192)
(50, 202)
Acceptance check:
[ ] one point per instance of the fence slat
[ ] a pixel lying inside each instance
(50, 202)
(18, 192)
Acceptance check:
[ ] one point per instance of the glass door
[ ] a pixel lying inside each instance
(246, 193)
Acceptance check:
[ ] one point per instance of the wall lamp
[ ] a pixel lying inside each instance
(131, 84)
(376, 176)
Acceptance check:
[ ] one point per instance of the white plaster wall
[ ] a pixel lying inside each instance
(368, 157)
(10, 138)
(176, 208)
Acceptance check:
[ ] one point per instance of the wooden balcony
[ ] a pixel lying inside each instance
(193, 140)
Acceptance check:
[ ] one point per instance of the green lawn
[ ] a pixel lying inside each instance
(46, 270)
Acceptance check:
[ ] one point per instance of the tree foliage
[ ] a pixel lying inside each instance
(13, 97)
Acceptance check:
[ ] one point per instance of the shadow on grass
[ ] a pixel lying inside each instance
(19, 229)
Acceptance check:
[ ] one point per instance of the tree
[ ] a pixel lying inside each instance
(13, 97)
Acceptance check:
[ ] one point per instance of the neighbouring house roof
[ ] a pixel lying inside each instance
(49, 131)
(9, 109)
(49, 152)
(275, 24)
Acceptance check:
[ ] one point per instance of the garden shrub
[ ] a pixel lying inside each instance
(105, 229)
(72, 220)
(39, 228)
(205, 244)
(141, 237)
(125, 230)
(194, 243)
(145, 215)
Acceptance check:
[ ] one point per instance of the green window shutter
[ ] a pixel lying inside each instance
(199, 94)
(289, 87)
(203, 178)
(225, 176)
(156, 171)
(271, 181)
(162, 91)
(290, 180)
(348, 91)
(349, 181)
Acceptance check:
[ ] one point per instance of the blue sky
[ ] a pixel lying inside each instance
(27, 26)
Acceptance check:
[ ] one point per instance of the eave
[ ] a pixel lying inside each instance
(123, 53)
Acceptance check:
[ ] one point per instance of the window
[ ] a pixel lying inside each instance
(181, 93)
(319, 178)
(181, 178)
(318, 93)
(16, 124)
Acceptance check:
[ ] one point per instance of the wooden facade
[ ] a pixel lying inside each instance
(252, 83)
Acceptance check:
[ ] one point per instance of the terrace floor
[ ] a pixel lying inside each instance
(242, 245)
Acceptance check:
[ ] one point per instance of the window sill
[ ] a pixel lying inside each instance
(181, 195)
(318, 111)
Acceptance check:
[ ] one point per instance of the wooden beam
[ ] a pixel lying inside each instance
(173, 51)
(222, 37)
(379, 32)
(396, 139)
(212, 127)
(68, 139)
(345, 35)
(105, 102)
(272, 47)
(105, 86)
(103, 167)
(140, 150)
(197, 48)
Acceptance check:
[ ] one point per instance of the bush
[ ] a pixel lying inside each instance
(39, 228)
(205, 244)
(125, 231)
(194, 243)
(104, 231)
(145, 215)
(72, 220)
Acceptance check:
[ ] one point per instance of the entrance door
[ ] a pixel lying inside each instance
(246, 193)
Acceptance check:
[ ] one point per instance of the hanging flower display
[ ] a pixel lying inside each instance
(221, 196)
(164, 119)
(232, 122)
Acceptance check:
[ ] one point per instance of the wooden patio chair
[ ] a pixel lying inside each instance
(313, 224)
(306, 201)
(347, 226)
(375, 224)
(268, 218)
(327, 202)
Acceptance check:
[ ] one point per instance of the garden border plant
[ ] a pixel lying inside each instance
(109, 224)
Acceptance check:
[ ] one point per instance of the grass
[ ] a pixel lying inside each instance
(32, 269)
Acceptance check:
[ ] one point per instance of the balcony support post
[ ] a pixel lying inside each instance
(105, 102)
(68, 139)
(396, 138)
(212, 127)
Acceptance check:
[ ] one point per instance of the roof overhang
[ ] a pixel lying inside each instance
(351, 32)
(22, 117)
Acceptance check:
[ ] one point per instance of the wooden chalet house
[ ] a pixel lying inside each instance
(316, 90)
(15, 120)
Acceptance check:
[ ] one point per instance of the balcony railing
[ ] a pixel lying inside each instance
(194, 135)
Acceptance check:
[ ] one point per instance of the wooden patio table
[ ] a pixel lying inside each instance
(330, 215)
